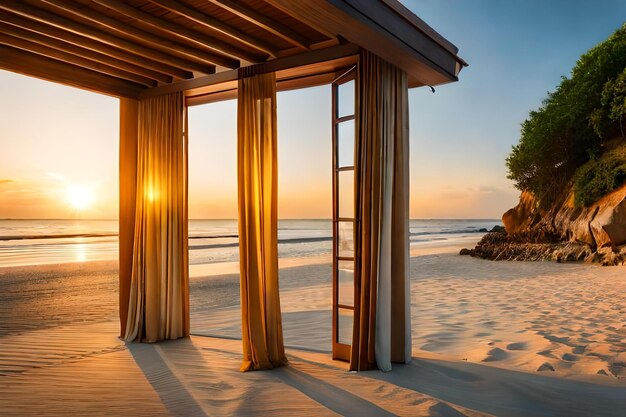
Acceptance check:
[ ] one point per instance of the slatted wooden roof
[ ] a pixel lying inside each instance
(135, 48)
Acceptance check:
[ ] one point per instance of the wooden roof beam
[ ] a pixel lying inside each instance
(54, 48)
(49, 69)
(38, 48)
(182, 32)
(177, 54)
(279, 64)
(265, 22)
(215, 24)
(77, 44)
(87, 31)
(282, 84)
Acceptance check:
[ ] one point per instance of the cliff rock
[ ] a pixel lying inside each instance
(563, 233)
(522, 216)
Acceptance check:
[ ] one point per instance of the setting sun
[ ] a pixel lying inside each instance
(79, 198)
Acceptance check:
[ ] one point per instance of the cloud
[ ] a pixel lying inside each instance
(6, 181)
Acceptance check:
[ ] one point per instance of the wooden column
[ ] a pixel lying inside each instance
(128, 188)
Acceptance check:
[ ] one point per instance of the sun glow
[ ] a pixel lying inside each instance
(79, 197)
(151, 194)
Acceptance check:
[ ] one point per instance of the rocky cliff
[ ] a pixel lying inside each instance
(564, 233)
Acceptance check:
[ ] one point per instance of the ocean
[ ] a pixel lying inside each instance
(35, 242)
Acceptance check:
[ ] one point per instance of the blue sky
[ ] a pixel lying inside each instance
(517, 51)
(55, 136)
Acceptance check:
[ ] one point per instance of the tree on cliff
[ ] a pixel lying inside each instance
(573, 122)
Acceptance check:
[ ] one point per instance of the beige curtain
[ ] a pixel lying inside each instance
(382, 329)
(158, 306)
(261, 327)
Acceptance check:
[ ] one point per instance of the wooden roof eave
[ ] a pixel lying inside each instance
(132, 49)
(386, 31)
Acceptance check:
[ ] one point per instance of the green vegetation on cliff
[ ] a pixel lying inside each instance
(600, 176)
(569, 130)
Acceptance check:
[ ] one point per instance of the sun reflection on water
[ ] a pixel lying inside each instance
(80, 252)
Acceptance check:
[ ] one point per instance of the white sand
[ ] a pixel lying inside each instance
(506, 339)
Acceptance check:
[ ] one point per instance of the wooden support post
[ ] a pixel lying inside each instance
(129, 113)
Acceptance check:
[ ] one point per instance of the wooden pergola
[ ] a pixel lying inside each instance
(138, 50)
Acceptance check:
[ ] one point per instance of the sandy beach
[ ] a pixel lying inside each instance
(505, 339)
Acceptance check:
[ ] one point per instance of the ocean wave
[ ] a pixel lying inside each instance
(291, 240)
(450, 232)
(56, 236)
(283, 241)
(231, 236)
(294, 240)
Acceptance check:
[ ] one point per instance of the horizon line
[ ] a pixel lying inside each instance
(235, 219)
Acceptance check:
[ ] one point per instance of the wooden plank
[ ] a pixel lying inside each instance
(211, 98)
(286, 84)
(133, 72)
(117, 57)
(185, 36)
(293, 61)
(315, 24)
(87, 31)
(320, 45)
(34, 65)
(264, 22)
(296, 83)
(174, 53)
(39, 48)
(217, 78)
(167, 28)
(216, 24)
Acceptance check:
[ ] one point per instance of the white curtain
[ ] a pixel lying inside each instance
(382, 329)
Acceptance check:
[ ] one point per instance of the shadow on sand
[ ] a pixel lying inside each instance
(172, 391)
(477, 387)
(505, 392)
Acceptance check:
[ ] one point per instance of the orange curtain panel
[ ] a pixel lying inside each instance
(262, 332)
(158, 291)
(382, 328)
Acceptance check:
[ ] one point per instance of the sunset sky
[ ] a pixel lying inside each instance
(59, 145)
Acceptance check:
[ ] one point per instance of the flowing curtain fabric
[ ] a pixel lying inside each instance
(158, 307)
(262, 332)
(382, 328)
